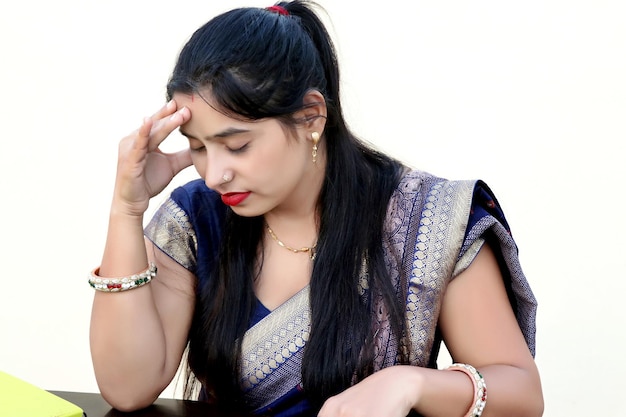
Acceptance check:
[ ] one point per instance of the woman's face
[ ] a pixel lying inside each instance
(265, 166)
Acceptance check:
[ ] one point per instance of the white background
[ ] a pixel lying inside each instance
(529, 96)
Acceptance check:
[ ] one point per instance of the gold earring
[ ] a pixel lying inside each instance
(316, 138)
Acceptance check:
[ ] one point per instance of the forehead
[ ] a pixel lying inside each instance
(204, 115)
(208, 122)
(195, 101)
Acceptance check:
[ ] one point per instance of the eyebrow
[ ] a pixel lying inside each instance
(231, 131)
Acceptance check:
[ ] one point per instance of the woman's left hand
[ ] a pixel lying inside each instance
(391, 392)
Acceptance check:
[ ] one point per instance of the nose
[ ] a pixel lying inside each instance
(215, 170)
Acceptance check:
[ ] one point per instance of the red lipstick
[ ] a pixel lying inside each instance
(233, 199)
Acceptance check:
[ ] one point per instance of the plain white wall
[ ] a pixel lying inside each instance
(529, 96)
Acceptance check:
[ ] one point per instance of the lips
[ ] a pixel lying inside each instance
(233, 199)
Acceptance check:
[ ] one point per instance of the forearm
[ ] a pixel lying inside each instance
(125, 249)
(128, 349)
(127, 338)
(511, 392)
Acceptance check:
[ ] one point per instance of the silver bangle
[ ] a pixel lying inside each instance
(123, 283)
(480, 388)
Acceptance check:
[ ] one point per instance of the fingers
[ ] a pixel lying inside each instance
(155, 129)
(145, 130)
(143, 134)
(162, 128)
(180, 160)
(166, 110)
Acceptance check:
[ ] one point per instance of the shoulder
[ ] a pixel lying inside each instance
(421, 189)
(188, 224)
(203, 207)
(466, 206)
(429, 214)
(194, 193)
(199, 203)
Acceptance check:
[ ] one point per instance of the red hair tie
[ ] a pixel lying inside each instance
(278, 9)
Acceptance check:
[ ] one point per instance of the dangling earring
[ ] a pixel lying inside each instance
(316, 138)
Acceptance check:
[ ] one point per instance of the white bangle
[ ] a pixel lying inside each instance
(121, 284)
(480, 388)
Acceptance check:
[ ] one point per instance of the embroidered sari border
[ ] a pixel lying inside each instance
(274, 343)
(171, 230)
(440, 235)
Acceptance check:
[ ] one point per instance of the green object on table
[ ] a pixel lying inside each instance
(18, 398)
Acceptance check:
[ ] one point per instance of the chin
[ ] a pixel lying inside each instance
(247, 211)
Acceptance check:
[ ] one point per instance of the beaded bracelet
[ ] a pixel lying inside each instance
(121, 284)
(480, 388)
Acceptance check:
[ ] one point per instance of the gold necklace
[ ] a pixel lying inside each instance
(309, 249)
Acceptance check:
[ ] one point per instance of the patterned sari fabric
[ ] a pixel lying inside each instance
(433, 230)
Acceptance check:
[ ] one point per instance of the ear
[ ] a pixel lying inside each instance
(313, 113)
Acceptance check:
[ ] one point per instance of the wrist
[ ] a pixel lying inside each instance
(125, 212)
(441, 392)
(415, 382)
(125, 248)
(478, 383)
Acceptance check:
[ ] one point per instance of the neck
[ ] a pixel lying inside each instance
(302, 203)
(309, 250)
(295, 222)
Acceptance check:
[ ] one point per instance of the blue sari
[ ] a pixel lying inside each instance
(433, 230)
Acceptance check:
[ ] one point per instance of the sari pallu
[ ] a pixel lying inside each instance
(433, 230)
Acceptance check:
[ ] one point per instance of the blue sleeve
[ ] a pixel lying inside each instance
(188, 226)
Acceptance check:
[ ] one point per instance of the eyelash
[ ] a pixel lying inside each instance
(238, 150)
(197, 150)
(241, 149)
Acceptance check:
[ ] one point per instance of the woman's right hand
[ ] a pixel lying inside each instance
(143, 171)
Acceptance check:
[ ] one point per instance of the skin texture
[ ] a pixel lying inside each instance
(274, 164)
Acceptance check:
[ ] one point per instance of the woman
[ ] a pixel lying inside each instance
(304, 272)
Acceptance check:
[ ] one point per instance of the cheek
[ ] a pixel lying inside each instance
(284, 160)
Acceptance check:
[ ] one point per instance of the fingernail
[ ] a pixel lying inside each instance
(170, 104)
(179, 112)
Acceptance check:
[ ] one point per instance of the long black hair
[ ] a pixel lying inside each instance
(257, 63)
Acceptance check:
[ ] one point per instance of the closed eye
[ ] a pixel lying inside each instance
(197, 149)
(240, 149)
